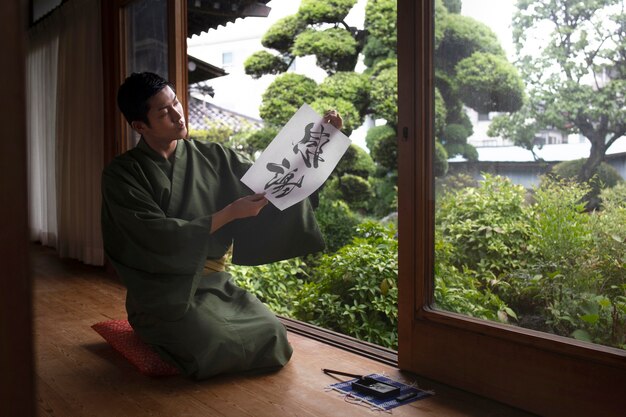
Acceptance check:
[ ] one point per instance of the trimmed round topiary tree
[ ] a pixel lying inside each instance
(285, 96)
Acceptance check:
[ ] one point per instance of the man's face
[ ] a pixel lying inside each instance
(166, 117)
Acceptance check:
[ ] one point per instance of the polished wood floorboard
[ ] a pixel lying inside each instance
(79, 375)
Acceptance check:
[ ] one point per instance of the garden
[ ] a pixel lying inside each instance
(550, 258)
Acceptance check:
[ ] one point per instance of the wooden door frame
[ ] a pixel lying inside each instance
(17, 396)
(538, 372)
(114, 65)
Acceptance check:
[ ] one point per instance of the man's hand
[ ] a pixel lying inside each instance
(248, 206)
(332, 117)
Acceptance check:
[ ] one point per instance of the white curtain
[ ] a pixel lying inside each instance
(41, 90)
(80, 132)
(65, 93)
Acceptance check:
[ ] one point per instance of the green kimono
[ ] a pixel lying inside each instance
(156, 222)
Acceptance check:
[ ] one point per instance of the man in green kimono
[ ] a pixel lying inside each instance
(171, 210)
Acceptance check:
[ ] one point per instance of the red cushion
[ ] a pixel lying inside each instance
(122, 338)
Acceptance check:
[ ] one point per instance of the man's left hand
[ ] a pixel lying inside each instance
(332, 117)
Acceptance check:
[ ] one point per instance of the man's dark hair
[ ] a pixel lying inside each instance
(134, 93)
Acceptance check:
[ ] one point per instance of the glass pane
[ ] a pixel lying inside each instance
(146, 41)
(351, 287)
(530, 222)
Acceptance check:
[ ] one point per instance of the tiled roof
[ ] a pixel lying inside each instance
(203, 15)
(201, 112)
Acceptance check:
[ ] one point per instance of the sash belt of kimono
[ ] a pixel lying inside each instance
(214, 265)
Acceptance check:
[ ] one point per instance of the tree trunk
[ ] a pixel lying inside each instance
(596, 155)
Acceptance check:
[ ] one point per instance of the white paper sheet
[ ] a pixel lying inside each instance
(299, 159)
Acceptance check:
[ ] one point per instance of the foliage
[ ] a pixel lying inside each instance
(337, 222)
(216, 132)
(385, 201)
(462, 293)
(453, 6)
(454, 133)
(605, 176)
(375, 51)
(384, 95)
(613, 197)
(380, 21)
(349, 113)
(356, 191)
(441, 113)
(486, 225)
(378, 133)
(463, 36)
(471, 70)
(349, 86)
(280, 35)
(543, 262)
(355, 161)
(328, 11)
(262, 62)
(275, 284)
(354, 291)
(335, 48)
(255, 142)
(284, 97)
(385, 153)
(488, 83)
(557, 222)
(440, 163)
(585, 41)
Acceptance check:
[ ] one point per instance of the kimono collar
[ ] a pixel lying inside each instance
(144, 147)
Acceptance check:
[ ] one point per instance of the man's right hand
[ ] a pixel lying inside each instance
(248, 206)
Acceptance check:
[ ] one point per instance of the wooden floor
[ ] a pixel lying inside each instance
(77, 374)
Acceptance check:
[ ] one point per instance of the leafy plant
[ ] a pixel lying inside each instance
(275, 284)
(354, 291)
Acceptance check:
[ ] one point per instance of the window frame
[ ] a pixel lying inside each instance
(565, 376)
(114, 63)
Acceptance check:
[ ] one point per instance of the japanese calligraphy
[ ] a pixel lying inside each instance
(282, 183)
(311, 145)
(298, 161)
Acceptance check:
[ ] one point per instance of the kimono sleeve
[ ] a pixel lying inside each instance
(273, 235)
(137, 233)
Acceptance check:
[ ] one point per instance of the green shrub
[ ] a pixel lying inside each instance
(354, 291)
(258, 140)
(460, 292)
(349, 86)
(385, 201)
(384, 95)
(337, 222)
(607, 175)
(378, 133)
(275, 284)
(380, 21)
(486, 225)
(455, 133)
(440, 164)
(215, 133)
(262, 62)
(355, 161)
(557, 222)
(356, 191)
(350, 115)
(335, 48)
(280, 35)
(328, 11)
(441, 113)
(284, 96)
(614, 196)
